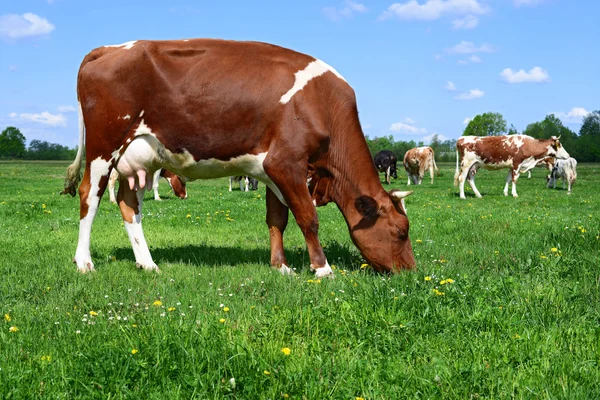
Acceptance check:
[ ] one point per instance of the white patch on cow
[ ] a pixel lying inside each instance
(143, 129)
(127, 116)
(469, 139)
(143, 259)
(126, 45)
(141, 114)
(313, 69)
(323, 271)
(98, 169)
(285, 270)
(518, 141)
(315, 202)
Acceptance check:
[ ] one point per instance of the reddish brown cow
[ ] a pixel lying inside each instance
(518, 153)
(417, 161)
(207, 108)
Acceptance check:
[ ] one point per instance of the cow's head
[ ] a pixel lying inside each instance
(556, 149)
(394, 171)
(252, 183)
(177, 184)
(382, 233)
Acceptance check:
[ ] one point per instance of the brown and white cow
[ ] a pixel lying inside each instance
(546, 162)
(176, 184)
(206, 108)
(518, 153)
(565, 169)
(417, 161)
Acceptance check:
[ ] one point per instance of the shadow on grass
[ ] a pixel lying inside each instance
(220, 255)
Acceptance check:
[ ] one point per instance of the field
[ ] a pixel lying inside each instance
(504, 302)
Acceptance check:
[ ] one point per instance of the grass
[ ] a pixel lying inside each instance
(519, 317)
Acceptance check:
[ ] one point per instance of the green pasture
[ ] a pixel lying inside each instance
(504, 302)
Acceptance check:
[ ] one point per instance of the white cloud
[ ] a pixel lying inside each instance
(441, 137)
(66, 109)
(465, 47)
(43, 118)
(470, 95)
(466, 120)
(438, 57)
(471, 60)
(519, 3)
(475, 59)
(407, 127)
(536, 74)
(468, 22)
(450, 86)
(13, 26)
(575, 115)
(433, 9)
(336, 14)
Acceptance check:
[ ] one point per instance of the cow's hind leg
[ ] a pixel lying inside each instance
(508, 180)
(130, 202)
(93, 185)
(277, 219)
(155, 180)
(471, 180)
(465, 169)
(515, 176)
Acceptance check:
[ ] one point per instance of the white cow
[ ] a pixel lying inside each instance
(565, 169)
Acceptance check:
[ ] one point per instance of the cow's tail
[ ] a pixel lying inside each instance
(437, 170)
(73, 172)
(457, 173)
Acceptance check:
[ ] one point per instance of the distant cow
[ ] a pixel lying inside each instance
(386, 162)
(518, 153)
(205, 108)
(565, 169)
(417, 161)
(177, 185)
(246, 182)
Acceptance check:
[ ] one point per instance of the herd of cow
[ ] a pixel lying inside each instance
(517, 153)
(203, 108)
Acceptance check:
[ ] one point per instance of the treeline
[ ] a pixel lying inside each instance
(584, 145)
(12, 146)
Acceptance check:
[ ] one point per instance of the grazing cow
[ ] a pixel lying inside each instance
(246, 182)
(518, 153)
(417, 161)
(177, 185)
(565, 169)
(386, 161)
(206, 108)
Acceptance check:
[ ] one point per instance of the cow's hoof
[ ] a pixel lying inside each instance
(323, 272)
(285, 270)
(149, 267)
(84, 265)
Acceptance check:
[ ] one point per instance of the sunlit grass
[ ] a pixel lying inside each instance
(504, 302)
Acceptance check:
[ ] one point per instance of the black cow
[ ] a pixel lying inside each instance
(386, 161)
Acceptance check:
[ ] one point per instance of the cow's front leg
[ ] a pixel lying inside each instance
(130, 202)
(277, 219)
(291, 182)
(93, 185)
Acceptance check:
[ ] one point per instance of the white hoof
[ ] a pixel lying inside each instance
(323, 271)
(149, 267)
(285, 270)
(84, 264)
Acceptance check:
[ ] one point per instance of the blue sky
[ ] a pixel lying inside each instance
(418, 67)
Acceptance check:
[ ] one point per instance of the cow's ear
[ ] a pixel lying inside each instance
(367, 206)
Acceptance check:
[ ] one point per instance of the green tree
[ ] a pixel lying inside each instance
(513, 130)
(486, 124)
(591, 124)
(12, 143)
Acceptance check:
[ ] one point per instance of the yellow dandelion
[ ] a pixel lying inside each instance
(157, 303)
(266, 372)
(364, 266)
(222, 320)
(543, 257)
(134, 351)
(419, 241)
(46, 358)
(443, 282)
(93, 313)
(427, 278)
(286, 351)
(13, 329)
(226, 309)
(517, 336)
(554, 249)
(171, 309)
(134, 325)
(450, 280)
(286, 396)
(43, 206)
(189, 216)
(7, 317)
(359, 398)
(438, 293)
